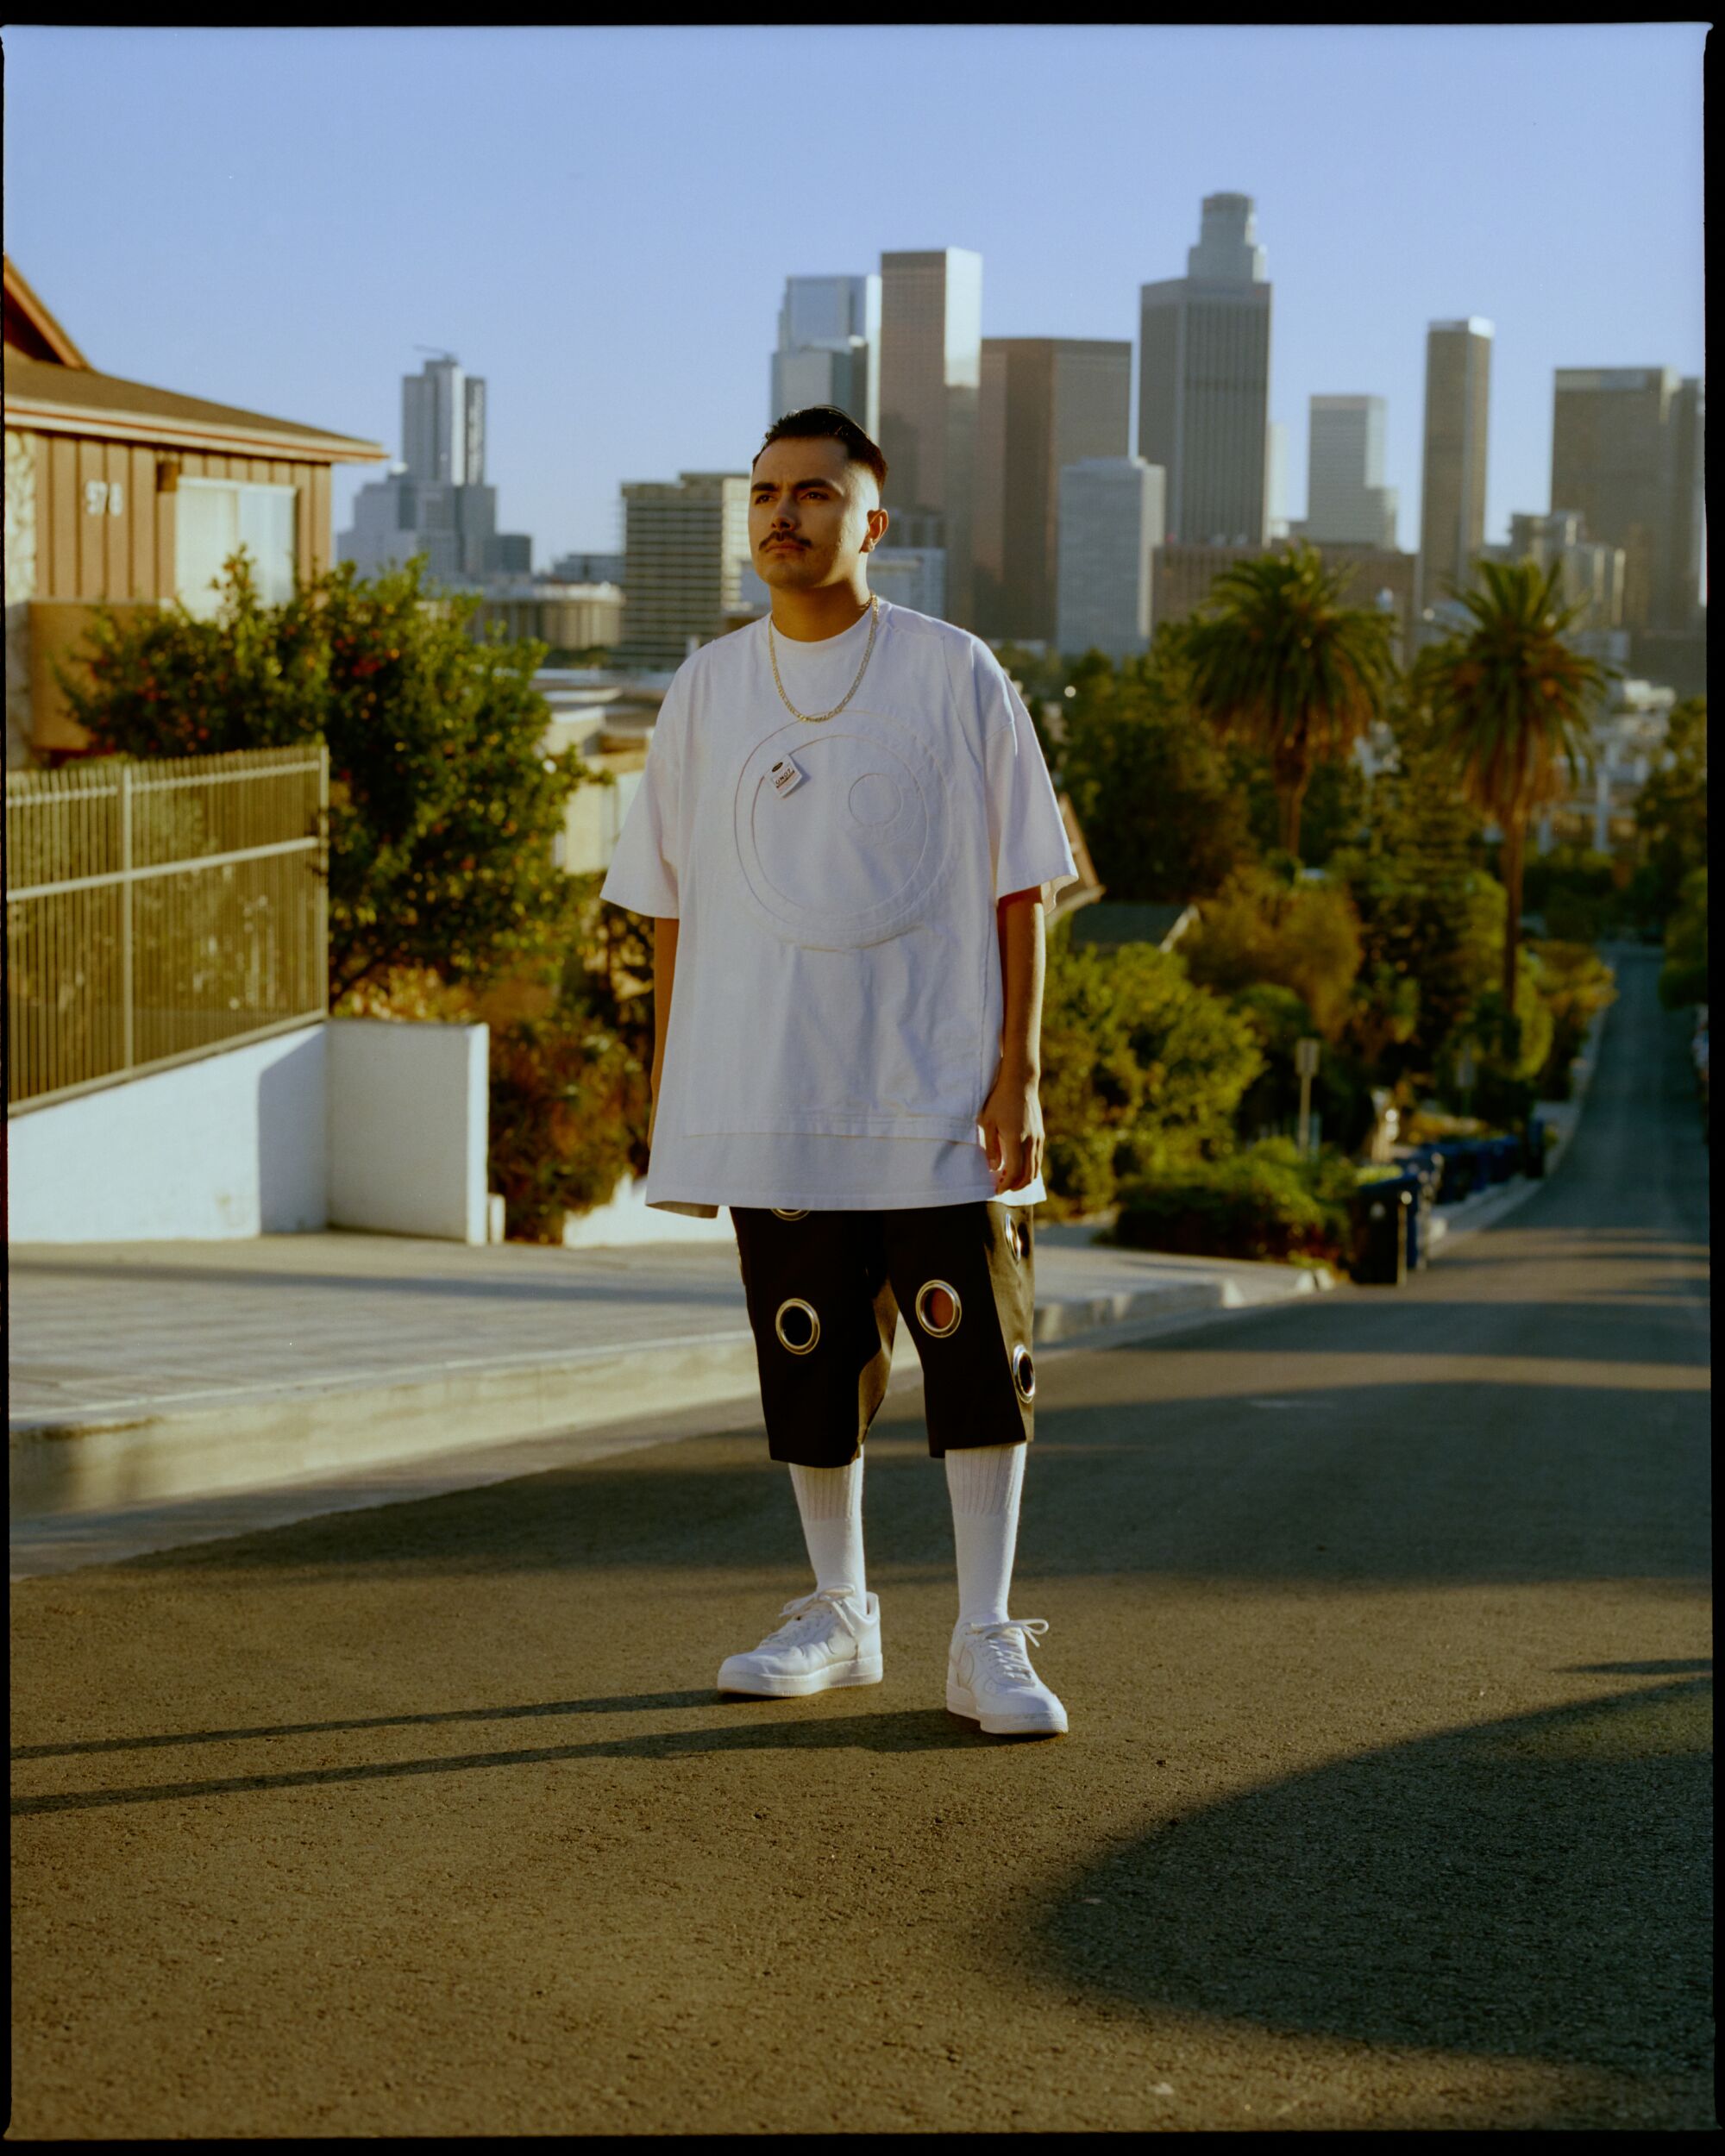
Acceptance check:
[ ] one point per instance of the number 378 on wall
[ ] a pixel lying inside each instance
(100, 494)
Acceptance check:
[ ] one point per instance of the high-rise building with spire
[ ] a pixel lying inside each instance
(435, 501)
(1204, 381)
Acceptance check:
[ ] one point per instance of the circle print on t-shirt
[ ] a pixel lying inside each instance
(852, 854)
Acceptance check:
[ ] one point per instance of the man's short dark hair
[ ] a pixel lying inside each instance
(815, 422)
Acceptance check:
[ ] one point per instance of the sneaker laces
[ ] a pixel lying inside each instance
(829, 1602)
(1004, 1643)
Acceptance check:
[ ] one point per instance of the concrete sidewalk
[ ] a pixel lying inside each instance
(145, 1374)
(163, 1393)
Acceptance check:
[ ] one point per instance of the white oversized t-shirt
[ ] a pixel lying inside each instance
(835, 1020)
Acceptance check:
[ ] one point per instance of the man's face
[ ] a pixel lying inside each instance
(811, 513)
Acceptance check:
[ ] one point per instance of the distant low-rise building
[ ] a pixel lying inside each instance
(586, 569)
(567, 616)
(1592, 573)
(1377, 577)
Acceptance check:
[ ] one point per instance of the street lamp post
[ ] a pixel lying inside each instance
(1306, 1062)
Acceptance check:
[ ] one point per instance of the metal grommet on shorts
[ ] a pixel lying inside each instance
(1024, 1372)
(928, 1287)
(796, 1302)
(783, 1213)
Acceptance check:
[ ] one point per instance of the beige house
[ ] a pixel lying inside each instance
(122, 493)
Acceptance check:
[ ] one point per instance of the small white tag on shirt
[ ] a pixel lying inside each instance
(787, 775)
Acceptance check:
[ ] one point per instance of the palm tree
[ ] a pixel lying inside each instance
(1510, 704)
(1276, 660)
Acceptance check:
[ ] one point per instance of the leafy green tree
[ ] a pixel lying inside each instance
(1670, 814)
(1577, 984)
(1139, 1067)
(1575, 891)
(1683, 979)
(1293, 933)
(1510, 701)
(1426, 907)
(1333, 815)
(1147, 781)
(1278, 661)
(444, 803)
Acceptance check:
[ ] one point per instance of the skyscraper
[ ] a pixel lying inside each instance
(436, 502)
(828, 349)
(1045, 403)
(1346, 500)
(442, 424)
(1627, 452)
(930, 375)
(686, 544)
(1453, 483)
(1203, 410)
(1111, 524)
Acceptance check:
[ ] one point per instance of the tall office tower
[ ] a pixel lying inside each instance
(1452, 483)
(685, 544)
(931, 377)
(1593, 572)
(1626, 446)
(829, 348)
(1203, 406)
(1111, 524)
(1686, 594)
(436, 502)
(442, 424)
(1045, 403)
(1346, 501)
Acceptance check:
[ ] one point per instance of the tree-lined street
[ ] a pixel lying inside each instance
(1381, 1621)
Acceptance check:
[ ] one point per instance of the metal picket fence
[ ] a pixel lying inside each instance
(161, 909)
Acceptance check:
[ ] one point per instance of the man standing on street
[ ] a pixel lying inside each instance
(843, 834)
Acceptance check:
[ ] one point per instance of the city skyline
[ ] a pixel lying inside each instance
(233, 264)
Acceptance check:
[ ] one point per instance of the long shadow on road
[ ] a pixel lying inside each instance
(1525, 1886)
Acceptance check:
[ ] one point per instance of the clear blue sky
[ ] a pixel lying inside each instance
(600, 221)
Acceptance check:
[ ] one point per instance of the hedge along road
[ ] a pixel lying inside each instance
(1382, 1622)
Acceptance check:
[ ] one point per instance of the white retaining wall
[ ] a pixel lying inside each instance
(409, 1118)
(354, 1122)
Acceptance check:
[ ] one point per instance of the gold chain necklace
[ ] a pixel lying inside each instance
(813, 718)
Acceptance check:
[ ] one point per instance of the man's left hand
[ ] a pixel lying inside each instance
(1012, 1131)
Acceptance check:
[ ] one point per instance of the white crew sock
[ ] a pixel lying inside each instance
(830, 1500)
(985, 1482)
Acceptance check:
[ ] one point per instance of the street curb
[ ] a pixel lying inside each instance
(105, 1463)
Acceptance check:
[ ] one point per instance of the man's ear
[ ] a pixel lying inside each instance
(878, 521)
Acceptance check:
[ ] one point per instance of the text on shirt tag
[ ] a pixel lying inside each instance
(787, 775)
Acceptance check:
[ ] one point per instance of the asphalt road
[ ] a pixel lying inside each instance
(1382, 1623)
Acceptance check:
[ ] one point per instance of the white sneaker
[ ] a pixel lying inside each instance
(989, 1678)
(830, 1640)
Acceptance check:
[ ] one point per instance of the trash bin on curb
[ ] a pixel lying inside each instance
(1459, 1170)
(1533, 1148)
(1505, 1157)
(1382, 1214)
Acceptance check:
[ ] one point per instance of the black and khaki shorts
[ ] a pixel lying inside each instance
(825, 1290)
